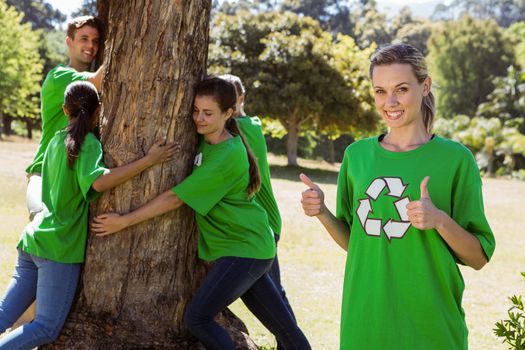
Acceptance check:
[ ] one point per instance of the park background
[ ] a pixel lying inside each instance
(476, 55)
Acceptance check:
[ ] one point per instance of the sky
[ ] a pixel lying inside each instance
(68, 6)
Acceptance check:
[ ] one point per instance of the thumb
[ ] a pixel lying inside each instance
(424, 189)
(309, 183)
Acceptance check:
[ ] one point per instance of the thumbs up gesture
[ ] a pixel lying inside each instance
(423, 214)
(313, 198)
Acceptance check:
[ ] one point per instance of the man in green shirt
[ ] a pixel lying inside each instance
(82, 40)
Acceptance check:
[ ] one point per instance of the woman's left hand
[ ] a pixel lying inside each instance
(423, 214)
(107, 224)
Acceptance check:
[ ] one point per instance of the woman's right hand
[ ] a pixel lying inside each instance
(107, 224)
(313, 198)
(161, 152)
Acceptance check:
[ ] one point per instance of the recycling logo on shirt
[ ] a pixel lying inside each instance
(394, 227)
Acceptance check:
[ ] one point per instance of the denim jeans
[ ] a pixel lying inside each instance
(53, 284)
(229, 279)
(275, 275)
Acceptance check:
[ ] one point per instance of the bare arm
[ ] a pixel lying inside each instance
(313, 205)
(107, 224)
(158, 153)
(97, 77)
(424, 215)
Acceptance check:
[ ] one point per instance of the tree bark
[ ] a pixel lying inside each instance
(29, 127)
(331, 150)
(291, 141)
(136, 284)
(7, 120)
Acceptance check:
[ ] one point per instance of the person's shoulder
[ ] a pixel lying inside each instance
(231, 147)
(91, 138)
(91, 142)
(249, 122)
(58, 137)
(360, 145)
(233, 152)
(452, 147)
(59, 70)
(234, 145)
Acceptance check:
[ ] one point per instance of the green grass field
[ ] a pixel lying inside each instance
(312, 265)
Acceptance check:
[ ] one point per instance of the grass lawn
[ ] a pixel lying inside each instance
(312, 264)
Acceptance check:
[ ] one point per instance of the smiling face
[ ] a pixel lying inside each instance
(208, 118)
(398, 95)
(83, 47)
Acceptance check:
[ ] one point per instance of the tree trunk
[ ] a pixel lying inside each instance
(136, 284)
(291, 141)
(29, 126)
(7, 120)
(331, 150)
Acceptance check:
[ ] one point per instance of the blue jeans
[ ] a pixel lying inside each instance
(53, 284)
(229, 279)
(275, 275)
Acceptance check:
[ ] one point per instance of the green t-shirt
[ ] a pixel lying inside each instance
(402, 287)
(230, 224)
(52, 99)
(252, 130)
(59, 232)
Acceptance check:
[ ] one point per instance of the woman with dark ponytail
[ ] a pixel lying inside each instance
(81, 105)
(233, 229)
(409, 210)
(52, 246)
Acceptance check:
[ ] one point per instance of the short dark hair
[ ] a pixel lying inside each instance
(78, 22)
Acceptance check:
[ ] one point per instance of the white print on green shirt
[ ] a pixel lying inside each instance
(392, 228)
(198, 160)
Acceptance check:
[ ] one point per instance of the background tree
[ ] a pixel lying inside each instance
(353, 113)
(371, 25)
(44, 20)
(504, 12)
(507, 101)
(39, 13)
(495, 144)
(288, 66)
(20, 68)
(516, 32)
(465, 56)
(135, 285)
(405, 28)
(415, 33)
(87, 8)
(333, 15)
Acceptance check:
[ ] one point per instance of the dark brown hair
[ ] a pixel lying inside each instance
(81, 100)
(408, 54)
(223, 91)
(78, 22)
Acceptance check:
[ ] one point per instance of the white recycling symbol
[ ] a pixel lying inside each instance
(392, 228)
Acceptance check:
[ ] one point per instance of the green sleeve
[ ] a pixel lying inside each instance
(344, 194)
(89, 166)
(204, 188)
(468, 210)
